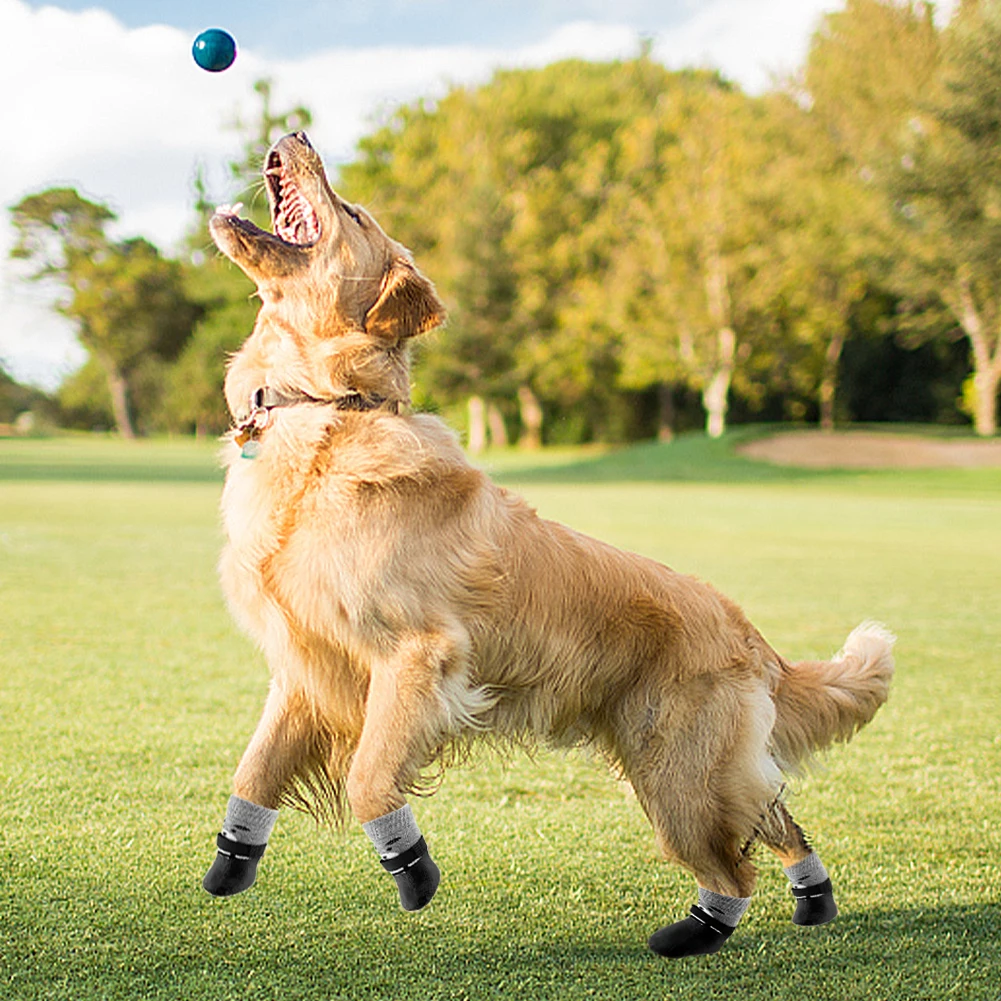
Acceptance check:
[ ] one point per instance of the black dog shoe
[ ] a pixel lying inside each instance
(234, 869)
(814, 904)
(700, 934)
(416, 875)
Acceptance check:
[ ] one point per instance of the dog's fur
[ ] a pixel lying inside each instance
(406, 604)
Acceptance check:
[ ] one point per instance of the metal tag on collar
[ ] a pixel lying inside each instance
(243, 432)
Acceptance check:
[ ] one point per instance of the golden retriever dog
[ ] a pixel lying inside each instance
(406, 605)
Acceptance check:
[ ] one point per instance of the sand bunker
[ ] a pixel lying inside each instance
(871, 450)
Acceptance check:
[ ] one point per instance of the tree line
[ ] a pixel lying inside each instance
(624, 250)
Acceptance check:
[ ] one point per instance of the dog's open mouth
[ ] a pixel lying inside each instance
(294, 219)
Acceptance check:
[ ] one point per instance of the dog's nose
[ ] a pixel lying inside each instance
(303, 138)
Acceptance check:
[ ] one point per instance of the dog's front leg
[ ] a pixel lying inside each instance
(405, 718)
(276, 752)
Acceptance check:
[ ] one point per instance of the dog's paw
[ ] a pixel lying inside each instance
(700, 934)
(417, 877)
(234, 869)
(814, 904)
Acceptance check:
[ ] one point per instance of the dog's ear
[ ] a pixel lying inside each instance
(407, 305)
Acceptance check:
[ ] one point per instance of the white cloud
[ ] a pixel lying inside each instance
(125, 115)
(347, 89)
(751, 41)
(45, 350)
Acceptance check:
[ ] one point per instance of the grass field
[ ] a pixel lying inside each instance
(126, 697)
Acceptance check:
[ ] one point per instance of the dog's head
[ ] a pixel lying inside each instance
(331, 281)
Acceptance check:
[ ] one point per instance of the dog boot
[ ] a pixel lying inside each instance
(814, 904)
(234, 869)
(700, 934)
(416, 875)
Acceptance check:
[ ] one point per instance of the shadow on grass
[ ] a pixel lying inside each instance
(187, 946)
(921, 955)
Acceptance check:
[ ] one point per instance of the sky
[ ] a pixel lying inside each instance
(106, 97)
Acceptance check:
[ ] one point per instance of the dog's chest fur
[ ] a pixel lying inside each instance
(334, 528)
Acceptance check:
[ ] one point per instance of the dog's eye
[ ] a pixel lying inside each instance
(351, 212)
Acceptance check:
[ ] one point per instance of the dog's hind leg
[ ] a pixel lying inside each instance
(811, 885)
(702, 772)
(694, 828)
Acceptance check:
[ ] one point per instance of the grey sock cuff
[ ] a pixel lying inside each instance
(809, 872)
(394, 832)
(247, 822)
(729, 910)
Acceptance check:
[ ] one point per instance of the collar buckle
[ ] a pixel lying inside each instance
(251, 428)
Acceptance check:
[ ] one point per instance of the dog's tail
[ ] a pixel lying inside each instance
(819, 702)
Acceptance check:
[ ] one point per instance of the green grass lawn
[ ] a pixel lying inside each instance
(126, 697)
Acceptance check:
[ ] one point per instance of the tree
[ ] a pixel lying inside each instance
(868, 69)
(599, 230)
(83, 399)
(449, 154)
(741, 247)
(869, 75)
(498, 191)
(478, 356)
(127, 301)
(441, 179)
(691, 226)
(16, 399)
(817, 263)
(566, 239)
(949, 193)
(194, 384)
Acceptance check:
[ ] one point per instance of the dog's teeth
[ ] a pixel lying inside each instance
(295, 221)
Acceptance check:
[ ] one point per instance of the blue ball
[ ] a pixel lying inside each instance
(214, 50)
